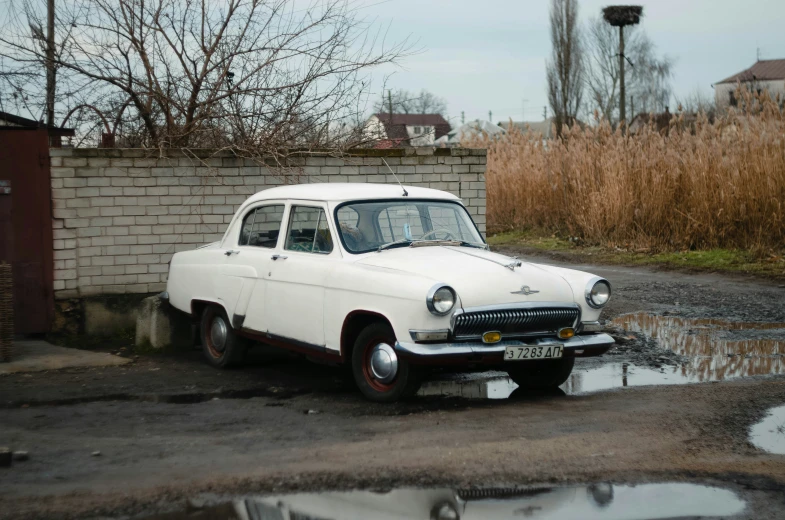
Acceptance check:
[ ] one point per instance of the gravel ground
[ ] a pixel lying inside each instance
(169, 428)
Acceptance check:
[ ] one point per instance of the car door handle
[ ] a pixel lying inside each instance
(276, 257)
(231, 252)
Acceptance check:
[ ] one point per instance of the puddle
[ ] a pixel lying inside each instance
(769, 434)
(594, 502)
(495, 385)
(716, 349)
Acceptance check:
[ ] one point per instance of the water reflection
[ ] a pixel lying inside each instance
(602, 501)
(474, 386)
(715, 354)
(769, 434)
(715, 350)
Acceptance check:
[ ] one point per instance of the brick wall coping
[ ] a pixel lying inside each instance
(214, 153)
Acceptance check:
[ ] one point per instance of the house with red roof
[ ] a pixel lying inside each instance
(386, 130)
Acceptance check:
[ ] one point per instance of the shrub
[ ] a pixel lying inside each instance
(697, 186)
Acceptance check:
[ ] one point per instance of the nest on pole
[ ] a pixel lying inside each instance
(621, 15)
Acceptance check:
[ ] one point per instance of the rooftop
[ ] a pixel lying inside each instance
(337, 192)
(413, 119)
(762, 70)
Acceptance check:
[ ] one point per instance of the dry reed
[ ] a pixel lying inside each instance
(697, 186)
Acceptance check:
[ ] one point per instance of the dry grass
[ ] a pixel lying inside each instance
(719, 185)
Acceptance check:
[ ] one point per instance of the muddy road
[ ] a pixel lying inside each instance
(699, 363)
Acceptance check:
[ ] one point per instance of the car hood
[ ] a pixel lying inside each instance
(478, 276)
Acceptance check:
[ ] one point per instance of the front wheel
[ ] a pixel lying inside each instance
(541, 374)
(221, 346)
(380, 374)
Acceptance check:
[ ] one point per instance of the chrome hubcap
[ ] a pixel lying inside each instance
(384, 363)
(218, 334)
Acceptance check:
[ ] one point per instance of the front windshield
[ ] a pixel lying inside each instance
(366, 226)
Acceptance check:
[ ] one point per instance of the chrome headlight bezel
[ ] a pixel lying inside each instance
(590, 288)
(432, 293)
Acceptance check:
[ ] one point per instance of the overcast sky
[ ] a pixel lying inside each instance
(490, 54)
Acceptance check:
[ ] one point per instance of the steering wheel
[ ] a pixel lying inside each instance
(447, 234)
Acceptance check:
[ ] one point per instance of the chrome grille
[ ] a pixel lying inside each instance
(511, 322)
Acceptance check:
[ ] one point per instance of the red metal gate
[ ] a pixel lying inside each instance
(26, 225)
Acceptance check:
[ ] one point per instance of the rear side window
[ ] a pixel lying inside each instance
(261, 226)
(308, 231)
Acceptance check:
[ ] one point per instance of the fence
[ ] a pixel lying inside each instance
(120, 214)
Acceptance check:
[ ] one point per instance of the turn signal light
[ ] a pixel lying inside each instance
(492, 337)
(566, 333)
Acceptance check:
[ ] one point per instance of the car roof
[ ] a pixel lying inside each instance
(339, 192)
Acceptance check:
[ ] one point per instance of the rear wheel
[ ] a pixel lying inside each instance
(541, 374)
(380, 374)
(221, 346)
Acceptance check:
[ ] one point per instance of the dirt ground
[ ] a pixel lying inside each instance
(169, 428)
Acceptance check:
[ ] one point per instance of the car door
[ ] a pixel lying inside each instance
(297, 277)
(247, 259)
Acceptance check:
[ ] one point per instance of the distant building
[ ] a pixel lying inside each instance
(469, 131)
(393, 130)
(763, 75)
(544, 127)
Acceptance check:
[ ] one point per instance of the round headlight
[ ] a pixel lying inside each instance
(440, 300)
(598, 292)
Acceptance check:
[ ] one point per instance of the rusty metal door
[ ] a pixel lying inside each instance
(26, 225)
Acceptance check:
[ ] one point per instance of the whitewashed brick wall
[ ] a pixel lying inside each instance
(120, 214)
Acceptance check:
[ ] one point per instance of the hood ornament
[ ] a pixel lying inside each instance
(525, 290)
(515, 263)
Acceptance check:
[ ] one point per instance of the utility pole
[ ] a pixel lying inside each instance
(462, 117)
(621, 16)
(50, 63)
(545, 112)
(622, 90)
(490, 116)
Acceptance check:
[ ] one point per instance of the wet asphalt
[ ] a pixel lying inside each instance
(698, 365)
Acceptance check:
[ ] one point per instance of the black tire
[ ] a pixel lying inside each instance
(232, 352)
(542, 374)
(407, 379)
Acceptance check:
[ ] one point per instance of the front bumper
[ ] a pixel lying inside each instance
(578, 346)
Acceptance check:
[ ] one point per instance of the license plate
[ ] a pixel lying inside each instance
(538, 352)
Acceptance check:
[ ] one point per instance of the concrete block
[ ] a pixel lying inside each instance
(160, 325)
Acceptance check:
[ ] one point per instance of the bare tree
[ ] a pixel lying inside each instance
(406, 102)
(697, 102)
(254, 75)
(648, 80)
(565, 70)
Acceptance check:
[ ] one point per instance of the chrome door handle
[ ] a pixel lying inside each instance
(276, 257)
(231, 252)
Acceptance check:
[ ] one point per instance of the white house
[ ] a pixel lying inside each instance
(763, 75)
(391, 130)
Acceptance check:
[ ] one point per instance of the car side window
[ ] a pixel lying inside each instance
(308, 231)
(262, 226)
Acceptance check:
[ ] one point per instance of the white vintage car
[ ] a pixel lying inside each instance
(386, 280)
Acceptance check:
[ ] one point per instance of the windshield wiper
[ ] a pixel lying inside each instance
(448, 242)
(474, 244)
(397, 243)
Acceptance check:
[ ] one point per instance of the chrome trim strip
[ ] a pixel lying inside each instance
(590, 326)
(456, 349)
(590, 286)
(432, 292)
(413, 332)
